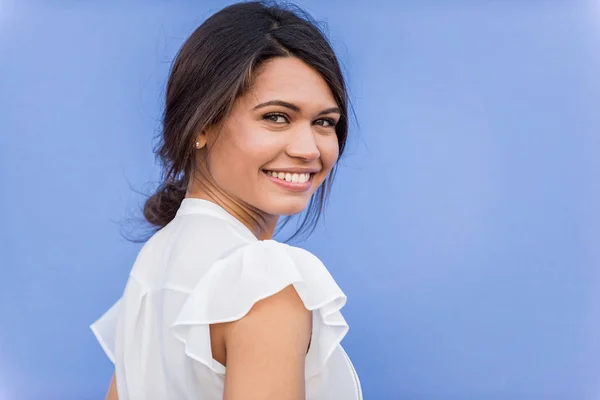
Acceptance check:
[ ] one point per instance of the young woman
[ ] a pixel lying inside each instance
(255, 121)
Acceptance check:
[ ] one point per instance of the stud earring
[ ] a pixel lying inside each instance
(197, 145)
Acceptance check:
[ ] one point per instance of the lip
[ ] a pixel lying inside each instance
(292, 186)
(294, 170)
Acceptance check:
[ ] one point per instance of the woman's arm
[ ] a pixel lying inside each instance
(112, 390)
(266, 350)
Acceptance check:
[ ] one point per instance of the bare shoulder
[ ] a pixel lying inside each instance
(265, 350)
(272, 316)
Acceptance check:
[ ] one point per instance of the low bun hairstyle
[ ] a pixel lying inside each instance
(215, 66)
(161, 207)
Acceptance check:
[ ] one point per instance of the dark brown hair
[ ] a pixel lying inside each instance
(215, 66)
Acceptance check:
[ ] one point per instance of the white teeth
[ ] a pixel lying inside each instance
(294, 178)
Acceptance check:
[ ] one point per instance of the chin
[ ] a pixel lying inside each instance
(286, 206)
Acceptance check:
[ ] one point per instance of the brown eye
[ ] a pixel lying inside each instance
(276, 118)
(325, 122)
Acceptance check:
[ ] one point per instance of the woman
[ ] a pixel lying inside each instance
(255, 121)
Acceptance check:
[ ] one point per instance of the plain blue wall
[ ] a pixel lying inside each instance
(464, 227)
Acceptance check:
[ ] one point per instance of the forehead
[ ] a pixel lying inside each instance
(290, 79)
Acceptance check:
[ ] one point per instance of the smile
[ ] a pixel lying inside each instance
(297, 182)
(288, 177)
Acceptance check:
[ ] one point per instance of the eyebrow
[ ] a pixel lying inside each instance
(294, 107)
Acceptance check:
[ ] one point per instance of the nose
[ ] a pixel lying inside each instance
(303, 144)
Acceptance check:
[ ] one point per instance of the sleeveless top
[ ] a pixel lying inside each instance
(206, 267)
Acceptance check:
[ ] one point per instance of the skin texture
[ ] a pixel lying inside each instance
(265, 351)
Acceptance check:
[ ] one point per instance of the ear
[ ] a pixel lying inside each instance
(200, 141)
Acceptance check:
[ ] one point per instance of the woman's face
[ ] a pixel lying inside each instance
(279, 142)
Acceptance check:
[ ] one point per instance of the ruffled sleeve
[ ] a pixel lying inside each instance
(105, 329)
(256, 271)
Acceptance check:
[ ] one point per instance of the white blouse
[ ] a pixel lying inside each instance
(206, 267)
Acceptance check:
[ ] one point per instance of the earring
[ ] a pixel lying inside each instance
(197, 145)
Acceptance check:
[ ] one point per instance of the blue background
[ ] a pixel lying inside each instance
(464, 225)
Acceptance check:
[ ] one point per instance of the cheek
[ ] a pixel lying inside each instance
(238, 156)
(330, 150)
(229, 161)
(254, 147)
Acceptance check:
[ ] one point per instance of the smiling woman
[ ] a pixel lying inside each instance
(284, 125)
(255, 122)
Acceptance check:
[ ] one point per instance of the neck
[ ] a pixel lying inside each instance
(261, 225)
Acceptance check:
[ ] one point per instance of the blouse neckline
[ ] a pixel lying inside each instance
(193, 205)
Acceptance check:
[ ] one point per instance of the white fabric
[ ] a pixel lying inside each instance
(206, 267)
